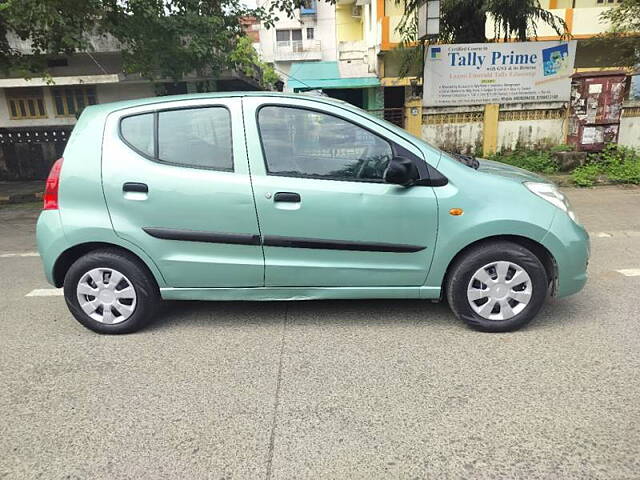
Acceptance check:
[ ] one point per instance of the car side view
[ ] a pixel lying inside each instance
(261, 196)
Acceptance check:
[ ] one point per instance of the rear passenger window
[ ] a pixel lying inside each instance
(193, 137)
(137, 131)
(198, 137)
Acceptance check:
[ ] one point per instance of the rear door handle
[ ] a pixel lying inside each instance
(290, 197)
(135, 187)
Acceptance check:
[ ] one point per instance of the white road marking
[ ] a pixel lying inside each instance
(23, 254)
(615, 233)
(630, 272)
(45, 292)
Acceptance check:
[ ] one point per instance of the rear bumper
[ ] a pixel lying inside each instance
(569, 244)
(51, 241)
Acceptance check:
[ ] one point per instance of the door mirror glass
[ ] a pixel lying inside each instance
(401, 171)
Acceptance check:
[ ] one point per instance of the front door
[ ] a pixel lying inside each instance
(326, 216)
(176, 181)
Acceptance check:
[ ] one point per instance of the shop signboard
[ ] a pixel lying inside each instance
(484, 73)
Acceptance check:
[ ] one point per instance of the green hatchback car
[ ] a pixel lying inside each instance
(261, 196)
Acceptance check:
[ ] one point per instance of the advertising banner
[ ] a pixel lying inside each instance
(481, 73)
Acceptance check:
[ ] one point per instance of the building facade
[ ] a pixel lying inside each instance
(486, 128)
(38, 114)
(344, 58)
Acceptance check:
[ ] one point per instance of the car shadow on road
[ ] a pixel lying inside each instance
(176, 314)
(308, 312)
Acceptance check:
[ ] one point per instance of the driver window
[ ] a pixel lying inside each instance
(306, 143)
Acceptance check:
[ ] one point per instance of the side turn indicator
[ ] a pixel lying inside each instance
(456, 212)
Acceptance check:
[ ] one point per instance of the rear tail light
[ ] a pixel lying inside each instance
(50, 196)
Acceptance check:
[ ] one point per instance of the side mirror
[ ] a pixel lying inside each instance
(401, 171)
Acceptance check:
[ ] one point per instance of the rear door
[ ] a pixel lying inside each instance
(326, 216)
(176, 181)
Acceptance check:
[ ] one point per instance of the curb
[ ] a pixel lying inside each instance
(20, 198)
(561, 180)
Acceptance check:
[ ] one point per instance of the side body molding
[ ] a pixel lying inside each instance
(277, 241)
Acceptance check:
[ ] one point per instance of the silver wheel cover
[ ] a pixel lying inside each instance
(499, 290)
(106, 295)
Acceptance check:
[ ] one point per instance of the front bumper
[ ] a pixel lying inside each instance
(569, 244)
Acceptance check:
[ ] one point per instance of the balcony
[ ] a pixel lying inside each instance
(309, 8)
(298, 50)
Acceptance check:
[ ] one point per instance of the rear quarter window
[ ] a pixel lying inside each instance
(137, 131)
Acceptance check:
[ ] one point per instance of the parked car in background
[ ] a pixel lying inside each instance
(261, 196)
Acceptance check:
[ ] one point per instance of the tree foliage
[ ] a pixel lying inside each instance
(159, 38)
(464, 21)
(245, 58)
(625, 18)
(517, 19)
(624, 34)
(172, 38)
(51, 26)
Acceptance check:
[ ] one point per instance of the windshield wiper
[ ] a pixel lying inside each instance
(468, 160)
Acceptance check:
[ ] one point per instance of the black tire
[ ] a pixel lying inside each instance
(464, 268)
(146, 289)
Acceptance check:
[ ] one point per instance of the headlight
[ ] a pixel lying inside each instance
(551, 194)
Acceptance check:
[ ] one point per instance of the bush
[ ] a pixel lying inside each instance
(533, 160)
(586, 175)
(561, 148)
(615, 163)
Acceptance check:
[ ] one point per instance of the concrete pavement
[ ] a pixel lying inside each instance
(334, 389)
(21, 192)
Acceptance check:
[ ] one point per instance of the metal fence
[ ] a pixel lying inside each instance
(298, 46)
(26, 153)
(393, 115)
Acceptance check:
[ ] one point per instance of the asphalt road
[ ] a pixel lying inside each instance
(334, 389)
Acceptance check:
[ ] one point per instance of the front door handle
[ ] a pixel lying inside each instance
(289, 197)
(135, 187)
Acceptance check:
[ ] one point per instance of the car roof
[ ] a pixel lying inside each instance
(113, 106)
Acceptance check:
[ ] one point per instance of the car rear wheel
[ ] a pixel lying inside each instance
(110, 291)
(497, 287)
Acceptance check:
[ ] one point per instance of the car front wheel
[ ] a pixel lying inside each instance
(497, 287)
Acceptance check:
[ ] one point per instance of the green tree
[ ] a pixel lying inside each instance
(52, 26)
(159, 38)
(624, 35)
(245, 58)
(464, 21)
(172, 38)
